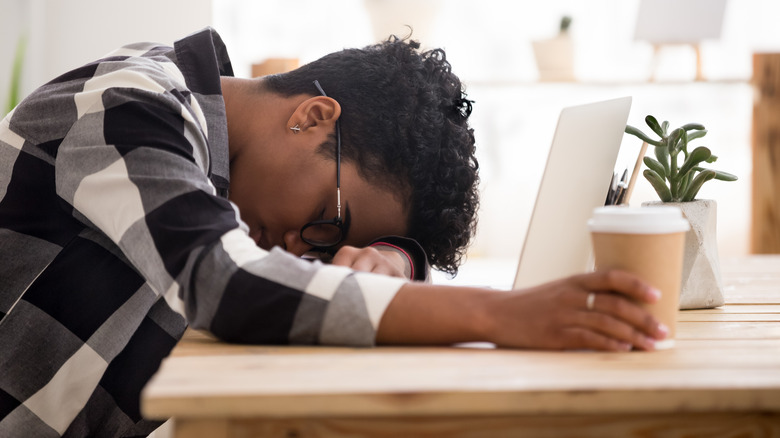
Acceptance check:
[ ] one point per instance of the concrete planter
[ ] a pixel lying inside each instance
(702, 285)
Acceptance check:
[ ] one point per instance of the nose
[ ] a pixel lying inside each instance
(294, 244)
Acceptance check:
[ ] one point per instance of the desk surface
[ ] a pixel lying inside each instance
(726, 360)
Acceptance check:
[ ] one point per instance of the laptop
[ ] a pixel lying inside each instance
(576, 180)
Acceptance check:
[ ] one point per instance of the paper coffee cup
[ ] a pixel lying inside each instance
(650, 243)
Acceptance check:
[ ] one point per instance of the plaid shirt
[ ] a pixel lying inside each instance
(116, 232)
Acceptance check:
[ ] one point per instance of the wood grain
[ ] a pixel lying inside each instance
(721, 379)
(542, 426)
(765, 218)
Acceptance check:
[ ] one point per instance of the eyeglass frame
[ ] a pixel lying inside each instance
(336, 221)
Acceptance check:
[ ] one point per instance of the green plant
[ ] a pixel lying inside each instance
(16, 76)
(565, 23)
(674, 182)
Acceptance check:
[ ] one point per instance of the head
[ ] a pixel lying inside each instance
(404, 123)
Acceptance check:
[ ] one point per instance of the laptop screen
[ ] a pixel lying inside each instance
(575, 181)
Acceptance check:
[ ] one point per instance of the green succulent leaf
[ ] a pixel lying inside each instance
(719, 175)
(662, 154)
(712, 159)
(724, 176)
(653, 124)
(674, 137)
(658, 184)
(683, 144)
(693, 188)
(690, 126)
(665, 127)
(641, 135)
(685, 182)
(655, 166)
(696, 134)
(696, 156)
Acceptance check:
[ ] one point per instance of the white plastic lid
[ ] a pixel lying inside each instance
(642, 220)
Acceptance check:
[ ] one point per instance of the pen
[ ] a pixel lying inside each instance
(621, 192)
(611, 190)
(621, 188)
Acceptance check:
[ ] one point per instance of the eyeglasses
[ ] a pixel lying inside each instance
(326, 233)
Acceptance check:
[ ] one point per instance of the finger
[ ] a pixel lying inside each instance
(373, 261)
(366, 260)
(616, 329)
(621, 282)
(398, 260)
(582, 338)
(625, 310)
(345, 256)
(365, 263)
(357, 259)
(387, 270)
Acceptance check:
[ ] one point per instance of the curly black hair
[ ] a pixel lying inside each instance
(404, 122)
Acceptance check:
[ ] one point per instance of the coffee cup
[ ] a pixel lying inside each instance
(650, 243)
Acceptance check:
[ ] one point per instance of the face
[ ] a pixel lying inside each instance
(277, 196)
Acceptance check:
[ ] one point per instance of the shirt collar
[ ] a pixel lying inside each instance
(202, 58)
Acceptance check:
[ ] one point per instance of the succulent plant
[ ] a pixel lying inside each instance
(672, 180)
(565, 23)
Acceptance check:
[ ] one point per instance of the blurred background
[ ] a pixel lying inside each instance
(691, 65)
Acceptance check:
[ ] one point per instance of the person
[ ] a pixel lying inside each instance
(151, 190)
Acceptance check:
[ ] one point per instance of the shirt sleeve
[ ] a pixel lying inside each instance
(135, 166)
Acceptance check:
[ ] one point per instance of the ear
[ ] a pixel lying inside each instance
(316, 115)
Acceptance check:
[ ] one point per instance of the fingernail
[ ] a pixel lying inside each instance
(655, 294)
(649, 344)
(663, 330)
(625, 346)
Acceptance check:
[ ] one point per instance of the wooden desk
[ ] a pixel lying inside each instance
(722, 379)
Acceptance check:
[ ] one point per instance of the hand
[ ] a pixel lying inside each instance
(555, 315)
(372, 259)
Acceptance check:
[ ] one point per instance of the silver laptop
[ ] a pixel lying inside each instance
(576, 180)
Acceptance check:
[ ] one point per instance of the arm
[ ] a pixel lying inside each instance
(142, 180)
(550, 316)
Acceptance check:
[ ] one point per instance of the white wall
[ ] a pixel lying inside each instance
(488, 43)
(489, 40)
(63, 34)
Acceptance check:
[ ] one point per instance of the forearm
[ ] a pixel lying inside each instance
(554, 315)
(436, 315)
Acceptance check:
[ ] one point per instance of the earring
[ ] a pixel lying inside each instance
(295, 129)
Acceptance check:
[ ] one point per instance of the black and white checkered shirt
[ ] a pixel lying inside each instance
(116, 232)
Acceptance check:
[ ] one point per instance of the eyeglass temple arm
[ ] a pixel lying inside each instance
(338, 154)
